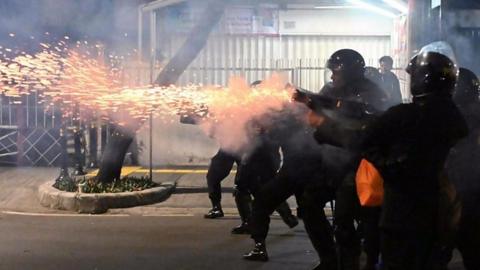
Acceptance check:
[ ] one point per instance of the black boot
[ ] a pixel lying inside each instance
(259, 253)
(244, 206)
(286, 214)
(215, 212)
(241, 229)
(291, 221)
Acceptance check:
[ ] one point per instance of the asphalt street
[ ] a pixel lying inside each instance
(139, 242)
(168, 235)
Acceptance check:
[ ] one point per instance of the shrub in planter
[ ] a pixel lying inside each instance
(91, 185)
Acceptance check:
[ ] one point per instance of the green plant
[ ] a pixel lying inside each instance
(66, 183)
(128, 183)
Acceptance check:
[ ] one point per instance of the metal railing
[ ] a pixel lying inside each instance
(29, 128)
(306, 73)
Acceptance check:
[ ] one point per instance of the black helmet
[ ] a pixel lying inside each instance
(432, 71)
(349, 62)
(467, 88)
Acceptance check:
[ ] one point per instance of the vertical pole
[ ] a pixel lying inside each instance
(64, 158)
(93, 146)
(153, 56)
(153, 44)
(151, 147)
(78, 141)
(64, 154)
(140, 33)
(9, 111)
(21, 129)
(27, 110)
(103, 137)
(2, 103)
(299, 73)
(440, 20)
(36, 109)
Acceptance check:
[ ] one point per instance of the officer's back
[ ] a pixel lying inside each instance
(410, 144)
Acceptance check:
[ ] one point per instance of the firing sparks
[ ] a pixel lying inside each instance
(74, 78)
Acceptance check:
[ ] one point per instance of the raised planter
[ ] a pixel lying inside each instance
(97, 203)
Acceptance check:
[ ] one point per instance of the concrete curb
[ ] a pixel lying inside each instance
(97, 203)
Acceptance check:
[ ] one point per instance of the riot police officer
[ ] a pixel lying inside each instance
(220, 166)
(464, 172)
(301, 175)
(370, 216)
(257, 163)
(348, 84)
(257, 167)
(409, 144)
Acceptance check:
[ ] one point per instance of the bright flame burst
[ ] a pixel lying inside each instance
(73, 77)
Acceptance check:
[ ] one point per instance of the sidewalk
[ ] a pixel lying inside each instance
(19, 185)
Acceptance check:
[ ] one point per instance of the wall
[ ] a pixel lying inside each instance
(175, 144)
(301, 52)
(339, 22)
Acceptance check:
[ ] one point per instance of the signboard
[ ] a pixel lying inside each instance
(239, 20)
(436, 3)
(245, 20)
(179, 18)
(259, 20)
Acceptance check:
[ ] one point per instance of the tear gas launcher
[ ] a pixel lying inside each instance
(350, 113)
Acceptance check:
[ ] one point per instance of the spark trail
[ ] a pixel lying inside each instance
(72, 74)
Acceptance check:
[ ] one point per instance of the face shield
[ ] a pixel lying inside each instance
(327, 75)
(433, 70)
(440, 47)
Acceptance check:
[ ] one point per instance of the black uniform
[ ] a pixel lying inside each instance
(409, 145)
(464, 172)
(301, 175)
(356, 100)
(257, 163)
(347, 205)
(220, 166)
(257, 167)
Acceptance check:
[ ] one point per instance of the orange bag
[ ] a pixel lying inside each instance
(369, 184)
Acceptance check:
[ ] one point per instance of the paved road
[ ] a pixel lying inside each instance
(167, 235)
(134, 242)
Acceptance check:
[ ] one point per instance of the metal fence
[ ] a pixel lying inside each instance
(306, 73)
(30, 129)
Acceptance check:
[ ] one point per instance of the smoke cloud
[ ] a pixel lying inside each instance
(107, 21)
(237, 114)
